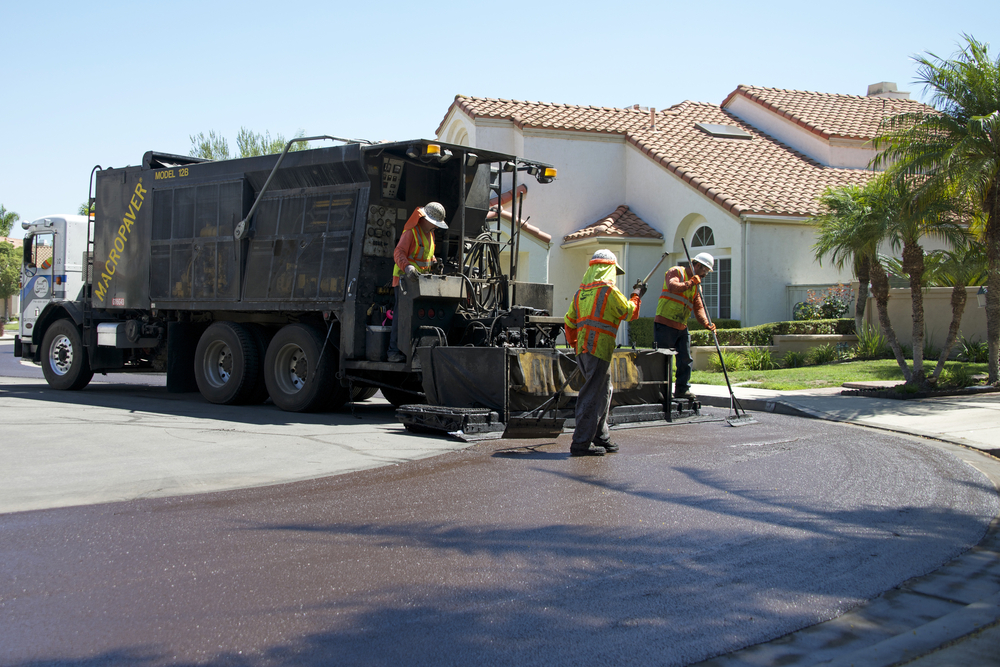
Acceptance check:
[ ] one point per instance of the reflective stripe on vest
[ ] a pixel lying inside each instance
(676, 307)
(421, 253)
(597, 330)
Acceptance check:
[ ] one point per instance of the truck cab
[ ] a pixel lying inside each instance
(52, 270)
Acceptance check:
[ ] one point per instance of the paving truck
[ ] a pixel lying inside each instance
(271, 278)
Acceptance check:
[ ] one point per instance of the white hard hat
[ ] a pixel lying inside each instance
(605, 256)
(705, 259)
(435, 213)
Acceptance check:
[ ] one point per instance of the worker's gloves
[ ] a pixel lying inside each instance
(411, 272)
(435, 266)
(639, 288)
(695, 280)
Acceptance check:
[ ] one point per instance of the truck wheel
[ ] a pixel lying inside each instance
(363, 393)
(399, 397)
(65, 363)
(293, 379)
(262, 337)
(226, 364)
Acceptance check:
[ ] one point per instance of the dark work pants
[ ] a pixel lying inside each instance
(593, 403)
(394, 331)
(679, 340)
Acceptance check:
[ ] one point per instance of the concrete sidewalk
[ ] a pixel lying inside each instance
(968, 634)
(970, 420)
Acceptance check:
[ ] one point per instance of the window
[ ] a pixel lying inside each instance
(724, 131)
(703, 237)
(718, 289)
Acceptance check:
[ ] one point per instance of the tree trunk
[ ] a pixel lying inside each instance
(880, 288)
(992, 238)
(958, 298)
(913, 265)
(864, 277)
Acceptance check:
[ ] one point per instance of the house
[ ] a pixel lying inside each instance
(738, 180)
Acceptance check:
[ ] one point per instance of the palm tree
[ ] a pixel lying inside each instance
(957, 146)
(851, 228)
(909, 219)
(964, 265)
(7, 220)
(843, 208)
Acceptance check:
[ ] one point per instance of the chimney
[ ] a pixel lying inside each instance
(888, 90)
(652, 118)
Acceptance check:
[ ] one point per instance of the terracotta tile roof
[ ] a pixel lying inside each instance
(552, 116)
(829, 114)
(759, 175)
(622, 222)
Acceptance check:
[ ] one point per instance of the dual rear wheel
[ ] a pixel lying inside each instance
(237, 364)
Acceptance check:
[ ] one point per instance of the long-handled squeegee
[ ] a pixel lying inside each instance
(734, 418)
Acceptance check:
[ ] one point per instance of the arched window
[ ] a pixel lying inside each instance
(703, 237)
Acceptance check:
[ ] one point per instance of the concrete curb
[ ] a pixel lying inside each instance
(927, 638)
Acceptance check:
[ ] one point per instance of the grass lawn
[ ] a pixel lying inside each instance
(827, 375)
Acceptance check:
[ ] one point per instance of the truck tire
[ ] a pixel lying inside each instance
(398, 397)
(293, 380)
(262, 337)
(363, 393)
(226, 364)
(65, 363)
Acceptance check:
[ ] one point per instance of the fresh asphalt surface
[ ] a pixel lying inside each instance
(694, 541)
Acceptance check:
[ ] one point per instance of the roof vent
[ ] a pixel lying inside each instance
(887, 89)
(725, 131)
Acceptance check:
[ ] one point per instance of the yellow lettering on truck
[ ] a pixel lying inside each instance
(121, 239)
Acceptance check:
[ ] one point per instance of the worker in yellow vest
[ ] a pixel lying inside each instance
(414, 254)
(679, 298)
(591, 327)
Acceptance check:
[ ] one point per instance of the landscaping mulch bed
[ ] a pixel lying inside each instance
(902, 395)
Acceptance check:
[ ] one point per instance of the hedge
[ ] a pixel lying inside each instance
(641, 331)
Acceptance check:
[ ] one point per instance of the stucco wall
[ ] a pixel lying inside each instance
(937, 316)
(780, 255)
(677, 210)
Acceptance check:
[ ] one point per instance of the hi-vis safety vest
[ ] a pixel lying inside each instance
(677, 307)
(421, 253)
(597, 310)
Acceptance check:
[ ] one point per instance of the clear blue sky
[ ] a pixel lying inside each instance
(83, 84)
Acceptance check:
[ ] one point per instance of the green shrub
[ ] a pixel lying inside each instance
(640, 332)
(762, 334)
(871, 344)
(734, 362)
(758, 359)
(721, 323)
(823, 354)
(973, 352)
(956, 375)
(794, 359)
(833, 302)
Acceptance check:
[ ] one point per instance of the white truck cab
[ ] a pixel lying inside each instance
(55, 250)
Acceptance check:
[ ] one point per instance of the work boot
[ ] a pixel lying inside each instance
(397, 358)
(589, 451)
(609, 447)
(685, 394)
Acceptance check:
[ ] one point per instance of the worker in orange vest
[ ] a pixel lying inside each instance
(679, 298)
(591, 327)
(414, 254)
